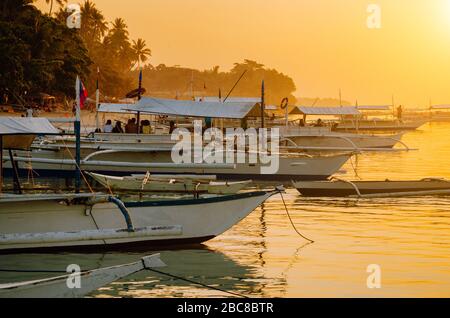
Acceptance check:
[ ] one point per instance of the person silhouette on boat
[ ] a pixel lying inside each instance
(118, 128)
(319, 123)
(399, 112)
(171, 126)
(108, 128)
(146, 128)
(131, 126)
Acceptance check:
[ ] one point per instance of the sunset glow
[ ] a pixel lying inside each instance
(323, 45)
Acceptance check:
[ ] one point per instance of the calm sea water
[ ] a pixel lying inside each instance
(409, 238)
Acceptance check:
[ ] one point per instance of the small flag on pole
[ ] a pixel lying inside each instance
(83, 95)
(98, 74)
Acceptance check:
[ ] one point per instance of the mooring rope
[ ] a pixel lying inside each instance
(355, 170)
(197, 283)
(290, 219)
(78, 167)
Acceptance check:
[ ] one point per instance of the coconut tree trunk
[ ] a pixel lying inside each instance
(51, 8)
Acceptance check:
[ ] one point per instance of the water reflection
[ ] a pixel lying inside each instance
(202, 265)
(263, 256)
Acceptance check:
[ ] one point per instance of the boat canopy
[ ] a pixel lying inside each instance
(229, 99)
(374, 107)
(113, 108)
(332, 111)
(26, 126)
(187, 108)
(19, 132)
(440, 106)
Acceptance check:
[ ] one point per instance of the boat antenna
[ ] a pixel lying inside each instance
(192, 85)
(235, 84)
(393, 105)
(262, 103)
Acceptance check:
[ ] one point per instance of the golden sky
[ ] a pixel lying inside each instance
(324, 45)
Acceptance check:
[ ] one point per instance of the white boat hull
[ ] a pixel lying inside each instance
(381, 125)
(297, 167)
(198, 220)
(346, 140)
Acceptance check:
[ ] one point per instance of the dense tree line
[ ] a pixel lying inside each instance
(175, 81)
(39, 53)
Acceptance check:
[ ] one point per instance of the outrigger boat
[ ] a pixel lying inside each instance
(326, 138)
(323, 139)
(374, 123)
(170, 183)
(387, 188)
(57, 287)
(127, 161)
(350, 118)
(86, 220)
(440, 113)
(82, 221)
(120, 154)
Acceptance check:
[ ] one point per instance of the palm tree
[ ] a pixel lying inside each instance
(94, 26)
(119, 26)
(118, 35)
(100, 25)
(141, 52)
(119, 45)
